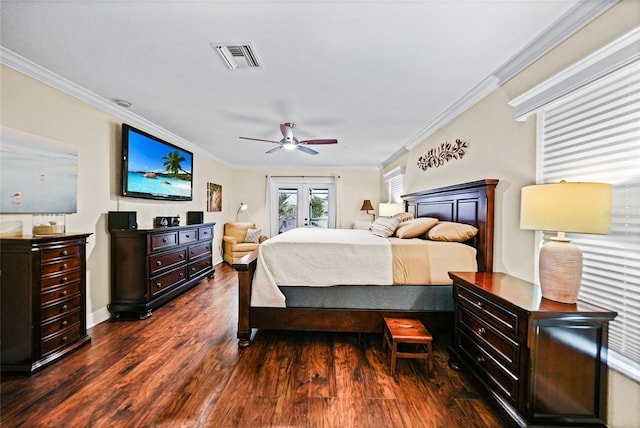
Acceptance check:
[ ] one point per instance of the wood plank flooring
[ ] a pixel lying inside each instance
(182, 368)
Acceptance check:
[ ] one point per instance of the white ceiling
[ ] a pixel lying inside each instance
(376, 75)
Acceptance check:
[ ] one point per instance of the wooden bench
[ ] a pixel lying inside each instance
(410, 331)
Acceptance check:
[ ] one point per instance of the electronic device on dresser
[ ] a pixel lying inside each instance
(166, 221)
(543, 362)
(122, 220)
(150, 267)
(195, 217)
(43, 300)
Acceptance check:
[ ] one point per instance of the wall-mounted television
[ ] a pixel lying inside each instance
(155, 169)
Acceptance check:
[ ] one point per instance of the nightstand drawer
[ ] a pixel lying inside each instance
(500, 317)
(56, 253)
(503, 348)
(497, 377)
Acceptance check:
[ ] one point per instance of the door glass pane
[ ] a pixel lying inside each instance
(287, 209)
(319, 208)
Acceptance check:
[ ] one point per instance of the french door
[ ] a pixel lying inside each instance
(302, 204)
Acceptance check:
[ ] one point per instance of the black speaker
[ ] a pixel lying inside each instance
(195, 217)
(122, 220)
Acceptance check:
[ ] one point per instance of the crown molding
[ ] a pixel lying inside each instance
(41, 74)
(573, 20)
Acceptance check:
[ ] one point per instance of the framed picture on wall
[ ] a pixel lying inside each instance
(214, 197)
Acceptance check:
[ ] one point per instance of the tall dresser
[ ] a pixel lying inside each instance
(543, 362)
(43, 300)
(151, 266)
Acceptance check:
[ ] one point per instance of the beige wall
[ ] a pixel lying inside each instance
(500, 147)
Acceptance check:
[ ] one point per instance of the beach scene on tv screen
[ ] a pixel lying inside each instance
(157, 168)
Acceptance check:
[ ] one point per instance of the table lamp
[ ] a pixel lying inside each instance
(388, 209)
(564, 207)
(366, 206)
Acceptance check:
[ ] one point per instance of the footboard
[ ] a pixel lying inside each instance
(245, 267)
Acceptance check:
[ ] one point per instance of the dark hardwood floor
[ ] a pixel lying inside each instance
(182, 368)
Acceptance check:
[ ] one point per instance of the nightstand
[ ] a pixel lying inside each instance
(543, 362)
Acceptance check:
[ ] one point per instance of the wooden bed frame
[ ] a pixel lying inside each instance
(471, 203)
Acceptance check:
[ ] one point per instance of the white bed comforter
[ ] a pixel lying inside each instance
(301, 256)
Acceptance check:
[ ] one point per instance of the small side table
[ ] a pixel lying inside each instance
(411, 331)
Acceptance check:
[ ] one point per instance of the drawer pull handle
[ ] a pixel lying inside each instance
(159, 285)
(182, 256)
(159, 263)
(63, 267)
(64, 323)
(181, 275)
(164, 240)
(482, 332)
(63, 279)
(64, 252)
(193, 269)
(479, 360)
(63, 293)
(64, 308)
(192, 252)
(65, 339)
(187, 236)
(480, 305)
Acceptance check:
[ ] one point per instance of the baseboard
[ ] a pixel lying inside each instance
(95, 318)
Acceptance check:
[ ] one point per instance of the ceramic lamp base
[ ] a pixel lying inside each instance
(560, 270)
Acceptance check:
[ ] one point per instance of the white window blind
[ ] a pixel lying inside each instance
(593, 134)
(395, 181)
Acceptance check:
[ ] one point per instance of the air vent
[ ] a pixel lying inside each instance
(237, 55)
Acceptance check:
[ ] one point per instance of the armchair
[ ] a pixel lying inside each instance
(233, 241)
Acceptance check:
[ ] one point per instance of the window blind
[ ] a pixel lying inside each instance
(593, 134)
(396, 185)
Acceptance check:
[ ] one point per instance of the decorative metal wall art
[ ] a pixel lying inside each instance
(444, 153)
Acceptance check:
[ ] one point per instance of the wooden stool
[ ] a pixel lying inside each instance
(408, 330)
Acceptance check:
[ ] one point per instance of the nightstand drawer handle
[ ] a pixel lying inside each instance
(65, 339)
(63, 293)
(482, 332)
(158, 284)
(64, 308)
(63, 267)
(480, 305)
(64, 323)
(159, 263)
(64, 252)
(63, 280)
(479, 360)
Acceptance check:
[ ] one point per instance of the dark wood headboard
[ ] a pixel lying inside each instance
(471, 203)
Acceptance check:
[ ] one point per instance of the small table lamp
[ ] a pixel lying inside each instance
(564, 207)
(366, 206)
(389, 209)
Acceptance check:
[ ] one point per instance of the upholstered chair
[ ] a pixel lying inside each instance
(235, 243)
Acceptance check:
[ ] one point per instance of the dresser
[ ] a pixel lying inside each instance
(543, 362)
(150, 267)
(43, 300)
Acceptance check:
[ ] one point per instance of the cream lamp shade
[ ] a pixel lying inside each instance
(564, 207)
(389, 209)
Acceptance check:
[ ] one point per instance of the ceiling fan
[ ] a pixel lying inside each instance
(289, 142)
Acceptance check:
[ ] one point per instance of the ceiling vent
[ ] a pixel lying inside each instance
(237, 55)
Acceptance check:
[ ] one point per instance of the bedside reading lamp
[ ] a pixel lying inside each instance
(366, 206)
(564, 207)
(243, 207)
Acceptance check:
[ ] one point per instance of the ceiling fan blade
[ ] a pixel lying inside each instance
(306, 150)
(260, 139)
(275, 149)
(287, 131)
(331, 141)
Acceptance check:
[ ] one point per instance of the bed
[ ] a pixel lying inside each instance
(361, 307)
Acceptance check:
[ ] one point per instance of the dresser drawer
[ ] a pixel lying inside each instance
(497, 377)
(205, 233)
(53, 294)
(198, 266)
(160, 241)
(163, 261)
(61, 339)
(503, 319)
(60, 266)
(198, 250)
(161, 283)
(56, 253)
(59, 324)
(500, 346)
(186, 236)
(60, 308)
(60, 279)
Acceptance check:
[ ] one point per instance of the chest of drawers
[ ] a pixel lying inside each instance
(43, 300)
(543, 362)
(149, 267)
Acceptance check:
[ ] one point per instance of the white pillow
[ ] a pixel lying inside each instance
(415, 227)
(452, 232)
(384, 226)
(253, 236)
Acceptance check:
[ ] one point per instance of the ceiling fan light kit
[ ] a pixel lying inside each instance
(289, 142)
